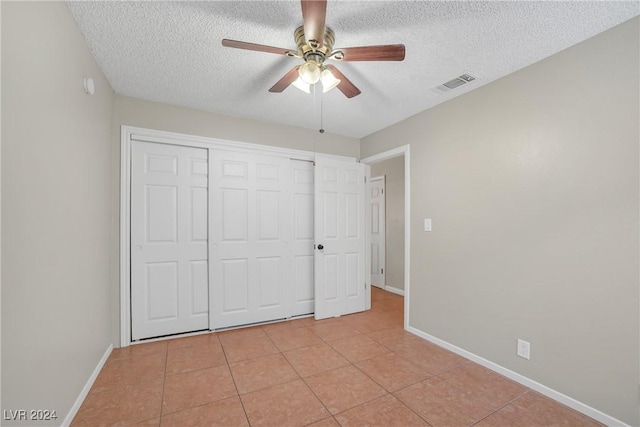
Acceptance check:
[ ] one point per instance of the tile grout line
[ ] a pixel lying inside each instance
(196, 406)
(526, 390)
(226, 363)
(320, 400)
(502, 407)
(387, 392)
(164, 382)
(439, 374)
(344, 322)
(244, 410)
(330, 416)
(409, 408)
(392, 393)
(299, 377)
(340, 367)
(197, 370)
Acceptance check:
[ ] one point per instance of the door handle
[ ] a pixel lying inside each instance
(320, 247)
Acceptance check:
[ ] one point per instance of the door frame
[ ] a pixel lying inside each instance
(403, 150)
(129, 133)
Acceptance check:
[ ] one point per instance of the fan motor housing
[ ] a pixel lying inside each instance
(309, 53)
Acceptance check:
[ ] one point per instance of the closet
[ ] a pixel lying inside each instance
(229, 234)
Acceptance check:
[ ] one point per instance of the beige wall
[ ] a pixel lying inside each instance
(56, 213)
(393, 170)
(532, 185)
(171, 118)
(154, 115)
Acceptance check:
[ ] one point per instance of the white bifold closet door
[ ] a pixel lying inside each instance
(169, 253)
(252, 219)
(223, 238)
(340, 235)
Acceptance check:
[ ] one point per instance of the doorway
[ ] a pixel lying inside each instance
(395, 166)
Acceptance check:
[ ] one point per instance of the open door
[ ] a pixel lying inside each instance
(341, 282)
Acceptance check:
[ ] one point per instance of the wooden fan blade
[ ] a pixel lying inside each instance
(390, 52)
(253, 46)
(313, 14)
(284, 82)
(345, 85)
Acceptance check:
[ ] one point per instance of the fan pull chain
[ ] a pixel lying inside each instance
(321, 130)
(315, 106)
(321, 110)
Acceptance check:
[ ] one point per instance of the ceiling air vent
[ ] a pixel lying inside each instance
(454, 83)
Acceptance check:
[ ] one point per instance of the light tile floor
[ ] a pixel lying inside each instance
(356, 370)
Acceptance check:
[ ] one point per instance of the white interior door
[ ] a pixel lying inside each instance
(340, 236)
(302, 239)
(169, 254)
(251, 229)
(377, 232)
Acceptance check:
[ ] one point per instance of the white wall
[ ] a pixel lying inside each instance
(154, 115)
(56, 213)
(393, 170)
(532, 183)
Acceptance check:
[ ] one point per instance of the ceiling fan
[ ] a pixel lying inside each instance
(315, 46)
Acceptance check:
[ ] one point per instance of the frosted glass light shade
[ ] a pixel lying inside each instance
(309, 72)
(329, 81)
(300, 84)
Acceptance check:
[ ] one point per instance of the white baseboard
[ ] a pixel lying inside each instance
(87, 387)
(534, 385)
(394, 290)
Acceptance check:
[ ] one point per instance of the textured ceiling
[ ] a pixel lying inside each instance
(171, 52)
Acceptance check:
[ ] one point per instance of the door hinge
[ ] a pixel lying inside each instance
(365, 286)
(382, 271)
(382, 191)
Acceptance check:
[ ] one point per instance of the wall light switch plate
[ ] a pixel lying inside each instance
(427, 224)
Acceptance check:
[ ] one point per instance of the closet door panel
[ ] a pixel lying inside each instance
(169, 239)
(251, 257)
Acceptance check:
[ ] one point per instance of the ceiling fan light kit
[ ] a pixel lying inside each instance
(302, 85)
(310, 72)
(329, 81)
(315, 44)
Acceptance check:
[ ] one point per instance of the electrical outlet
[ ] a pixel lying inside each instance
(524, 349)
